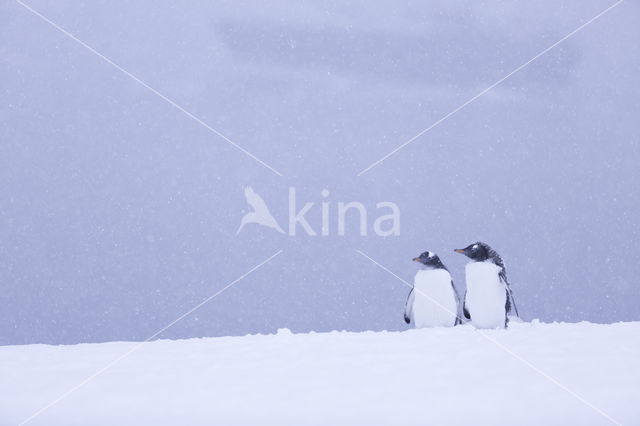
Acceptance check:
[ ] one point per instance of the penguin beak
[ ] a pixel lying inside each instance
(416, 259)
(459, 251)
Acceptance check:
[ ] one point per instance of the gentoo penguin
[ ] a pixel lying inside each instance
(488, 298)
(433, 301)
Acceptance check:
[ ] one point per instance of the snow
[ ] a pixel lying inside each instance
(486, 295)
(434, 285)
(438, 376)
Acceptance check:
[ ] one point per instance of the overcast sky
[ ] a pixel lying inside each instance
(119, 212)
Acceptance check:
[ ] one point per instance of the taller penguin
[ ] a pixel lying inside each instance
(488, 298)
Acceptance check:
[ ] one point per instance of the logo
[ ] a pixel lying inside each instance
(260, 214)
(384, 225)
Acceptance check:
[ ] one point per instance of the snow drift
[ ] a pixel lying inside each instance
(429, 376)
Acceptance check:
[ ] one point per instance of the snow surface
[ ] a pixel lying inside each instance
(417, 377)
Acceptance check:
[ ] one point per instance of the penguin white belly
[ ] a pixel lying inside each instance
(486, 295)
(429, 286)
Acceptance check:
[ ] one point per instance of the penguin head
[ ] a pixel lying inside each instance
(478, 251)
(430, 260)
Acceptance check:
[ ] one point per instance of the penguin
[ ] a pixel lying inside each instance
(433, 300)
(488, 299)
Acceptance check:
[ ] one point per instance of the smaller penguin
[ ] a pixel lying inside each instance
(433, 301)
(488, 298)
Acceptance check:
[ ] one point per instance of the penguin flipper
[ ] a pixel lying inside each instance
(465, 312)
(408, 309)
(458, 320)
(511, 303)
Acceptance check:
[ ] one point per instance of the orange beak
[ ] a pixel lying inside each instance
(459, 250)
(416, 259)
